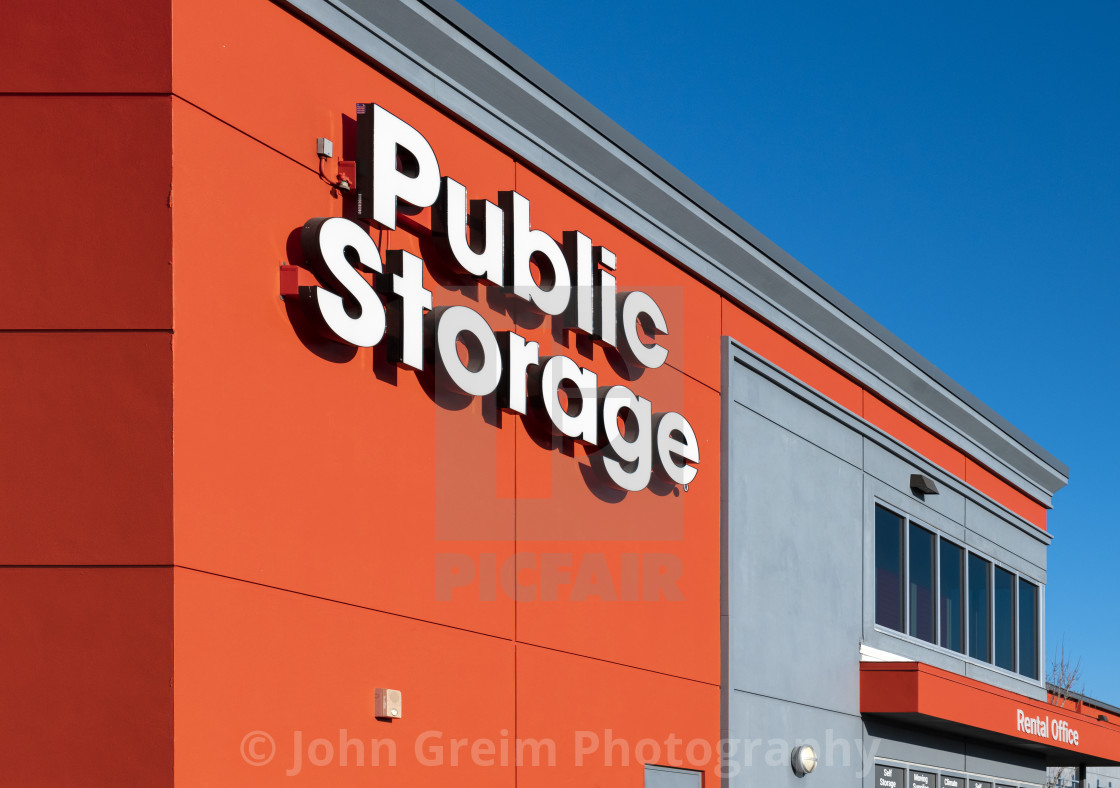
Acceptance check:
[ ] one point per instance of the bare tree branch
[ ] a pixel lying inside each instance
(1064, 678)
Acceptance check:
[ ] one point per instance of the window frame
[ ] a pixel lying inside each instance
(904, 554)
(908, 524)
(1014, 617)
(964, 594)
(991, 607)
(1016, 578)
(1038, 621)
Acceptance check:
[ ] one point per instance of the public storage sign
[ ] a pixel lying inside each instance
(397, 172)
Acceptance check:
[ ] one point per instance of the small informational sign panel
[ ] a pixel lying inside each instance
(922, 779)
(890, 776)
(979, 784)
(952, 781)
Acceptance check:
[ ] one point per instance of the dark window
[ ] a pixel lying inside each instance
(952, 596)
(1004, 622)
(979, 612)
(1028, 629)
(936, 591)
(923, 604)
(889, 587)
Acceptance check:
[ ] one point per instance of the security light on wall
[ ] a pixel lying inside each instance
(803, 759)
(919, 482)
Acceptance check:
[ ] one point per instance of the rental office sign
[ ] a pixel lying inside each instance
(1043, 727)
(397, 171)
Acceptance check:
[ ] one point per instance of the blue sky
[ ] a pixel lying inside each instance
(953, 169)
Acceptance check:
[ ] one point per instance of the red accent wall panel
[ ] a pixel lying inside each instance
(900, 426)
(59, 46)
(987, 482)
(86, 686)
(85, 475)
(85, 212)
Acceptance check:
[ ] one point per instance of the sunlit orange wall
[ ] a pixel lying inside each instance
(313, 522)
(341, 526)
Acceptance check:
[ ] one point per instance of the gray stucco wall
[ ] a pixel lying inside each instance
(802, 478)
(915, 748)
(668, 777)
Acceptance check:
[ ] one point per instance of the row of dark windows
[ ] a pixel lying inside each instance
(933, 589)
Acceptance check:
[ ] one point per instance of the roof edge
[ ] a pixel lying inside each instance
(1100, 705)
(445, 52)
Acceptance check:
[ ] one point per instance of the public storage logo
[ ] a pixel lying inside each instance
(628, 442)
(1044, 727)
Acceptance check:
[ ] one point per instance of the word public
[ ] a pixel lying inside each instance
(397, 172)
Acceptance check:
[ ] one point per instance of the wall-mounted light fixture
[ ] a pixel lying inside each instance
(803, 759)
(919, 482)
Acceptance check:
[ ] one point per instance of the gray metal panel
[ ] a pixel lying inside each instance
(888, 467)
(796, 514)
(766, 731)
(795, 567)
(727, 459)
(796, 415)
(1004, 762)
(909, 505)
(790, 501)
(915, 745)
(1002, 555)
(449, 54)
(744, 357)
(667, 777)
(989, 674)
(990, 533)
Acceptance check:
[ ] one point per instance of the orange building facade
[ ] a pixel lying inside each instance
(226, 528)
